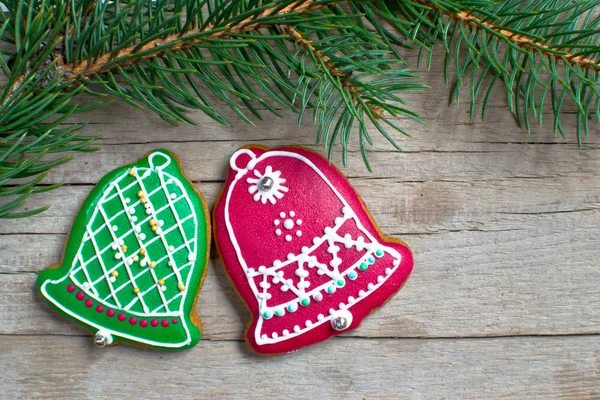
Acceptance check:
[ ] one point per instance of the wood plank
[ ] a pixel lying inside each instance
(542, 368)
(451, 160)
(399, 207)
(528, 274)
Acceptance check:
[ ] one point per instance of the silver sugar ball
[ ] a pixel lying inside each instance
(340, 323)
(100, 340)
(266, 183)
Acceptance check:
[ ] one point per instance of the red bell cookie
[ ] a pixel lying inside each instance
(302, 249)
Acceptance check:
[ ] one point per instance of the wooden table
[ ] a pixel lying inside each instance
(504, 300)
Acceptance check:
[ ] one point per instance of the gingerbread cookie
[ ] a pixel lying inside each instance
(135, 258)
(302, 249)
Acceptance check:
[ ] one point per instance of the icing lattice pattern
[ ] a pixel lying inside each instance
(136, 254)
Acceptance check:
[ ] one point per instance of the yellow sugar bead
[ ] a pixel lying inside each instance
(124, 247)
(154, 228)
(114, 273)
(161, 282)
(136, 258)
(143, 200)
(136, 290)
(152, 222)
(141, 194)
(143, 252)
(132, 172)
(181, 287)
(152, 264)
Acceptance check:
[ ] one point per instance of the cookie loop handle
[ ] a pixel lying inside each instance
(156, 165)
(249, 165)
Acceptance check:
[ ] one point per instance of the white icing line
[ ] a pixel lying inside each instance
(174, 211)
(123, 257)
(355, 301)
(140, 245)
(101, 261)
(161, 235)
(114, 332)
(87, 276)
(128, 233)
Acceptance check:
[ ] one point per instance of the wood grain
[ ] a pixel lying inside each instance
(504, 301)
(542, 368)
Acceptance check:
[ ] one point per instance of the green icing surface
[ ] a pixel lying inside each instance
(99, 261)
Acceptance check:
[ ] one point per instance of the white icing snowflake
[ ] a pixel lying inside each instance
(268, 186)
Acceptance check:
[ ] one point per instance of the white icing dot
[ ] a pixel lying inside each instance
(169, 181)
(298, 222)
(292, 214)
(370, 286)
(285, 332)
(142, 236)
(296, 329)
(148, 211)
(318, 296)
(274, 335)
(191, 257)
(115, 228)
(86, 285)
(396, 263)
(143, 262)
(264, 336)
(112, 279)
(163, 288)
(134, 218)
(147, 205)
(339, 220)
(346, 210)
(276, 222)
(171, 248)
(380, 279)
(128, 200)
(161, 222)
(121, 242)
(262, 269)
(288, 224)
(298, 233)
(388, 271)
(171, 263)
(320, 317)
(131, 210)
(172, 195)
(288, 238)
(361, 293)
(278, 232)
(129, 261)
(117, 255)
(308, 323)
(114, 246)
(350, 300)
(282, 214)
(138, 229)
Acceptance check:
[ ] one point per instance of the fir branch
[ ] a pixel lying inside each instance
(180, 41)
(333, 70)
(517, 38)
(544, 51)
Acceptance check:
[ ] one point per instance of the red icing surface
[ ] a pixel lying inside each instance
(316, 204)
